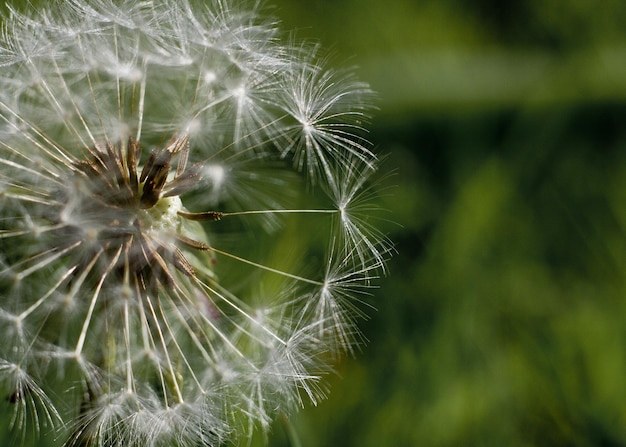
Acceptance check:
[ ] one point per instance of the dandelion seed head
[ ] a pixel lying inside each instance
(155, 258)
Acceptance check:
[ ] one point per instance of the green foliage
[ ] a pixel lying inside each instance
(502, 320)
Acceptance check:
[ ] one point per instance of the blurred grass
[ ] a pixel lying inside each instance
(502, 321)
(426, 54)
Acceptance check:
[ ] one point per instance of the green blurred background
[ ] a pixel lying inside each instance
(502, 322)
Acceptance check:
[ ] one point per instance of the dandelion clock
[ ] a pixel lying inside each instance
(185, 237)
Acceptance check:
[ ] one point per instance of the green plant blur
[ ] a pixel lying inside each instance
(503, 319)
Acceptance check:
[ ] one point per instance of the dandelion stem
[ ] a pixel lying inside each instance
(142, 97)
(127, 335)
(47, 260)
(312, 211)
(34, 306)
(265, 267)
(96, 294)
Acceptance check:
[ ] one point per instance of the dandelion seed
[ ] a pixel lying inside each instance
(152, 291)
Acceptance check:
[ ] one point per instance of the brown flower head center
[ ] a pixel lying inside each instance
(134, 214)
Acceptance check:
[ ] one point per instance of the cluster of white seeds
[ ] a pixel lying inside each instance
(169, 272)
